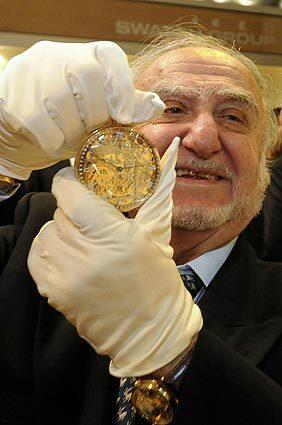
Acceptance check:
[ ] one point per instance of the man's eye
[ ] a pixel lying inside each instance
(173, 110)
(233, 118)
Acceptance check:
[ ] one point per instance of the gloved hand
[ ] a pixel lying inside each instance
(114, 277)
(54, 93)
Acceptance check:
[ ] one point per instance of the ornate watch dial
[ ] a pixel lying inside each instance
(118, 164)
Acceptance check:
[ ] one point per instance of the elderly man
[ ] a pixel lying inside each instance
(114, 277)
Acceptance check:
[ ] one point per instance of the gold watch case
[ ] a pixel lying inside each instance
(154, 401)
(119, 164)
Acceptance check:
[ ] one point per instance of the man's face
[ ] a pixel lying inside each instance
(213, 104)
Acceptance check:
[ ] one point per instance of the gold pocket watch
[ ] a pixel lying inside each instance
(119, 164)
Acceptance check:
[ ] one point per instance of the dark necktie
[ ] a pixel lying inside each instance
(191, 281)
(126, 412)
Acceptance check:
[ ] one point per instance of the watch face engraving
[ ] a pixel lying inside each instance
(119, 164)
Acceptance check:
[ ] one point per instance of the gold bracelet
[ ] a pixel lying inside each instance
(155, 398)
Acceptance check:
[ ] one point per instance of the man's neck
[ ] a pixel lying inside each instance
(188, 244)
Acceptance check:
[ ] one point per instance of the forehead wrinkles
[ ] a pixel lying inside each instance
(203, 68)
(199, 61)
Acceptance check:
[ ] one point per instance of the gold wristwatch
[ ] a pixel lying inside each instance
(118, 164)
(155, 398)
(8, 185)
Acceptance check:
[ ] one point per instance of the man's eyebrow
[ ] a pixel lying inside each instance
(241, 96)
(176, 91)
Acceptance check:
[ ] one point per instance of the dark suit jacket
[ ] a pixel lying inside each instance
(48, 375)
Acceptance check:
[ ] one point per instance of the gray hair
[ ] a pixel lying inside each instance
(180, 36)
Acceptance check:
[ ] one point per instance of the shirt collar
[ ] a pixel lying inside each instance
(207, 265)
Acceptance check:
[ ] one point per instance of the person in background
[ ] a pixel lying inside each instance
(173, 298)
(272, 209)
(265, 231)
(276, 152)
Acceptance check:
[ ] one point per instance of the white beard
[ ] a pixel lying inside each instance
(245, 205)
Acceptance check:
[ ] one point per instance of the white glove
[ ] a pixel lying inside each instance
(54, 93)
(114, 277)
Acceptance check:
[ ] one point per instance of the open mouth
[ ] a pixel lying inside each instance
(181, 172)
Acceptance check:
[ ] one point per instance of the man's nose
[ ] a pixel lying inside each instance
(201, 136)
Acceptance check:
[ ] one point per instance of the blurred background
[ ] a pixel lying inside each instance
(254, 25)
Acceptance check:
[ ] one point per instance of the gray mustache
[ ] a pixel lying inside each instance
(201, 166)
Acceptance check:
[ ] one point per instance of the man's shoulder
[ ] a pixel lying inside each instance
(244, 255)
(264, 269)
(262, 277)
(245, 276)
(269, 283)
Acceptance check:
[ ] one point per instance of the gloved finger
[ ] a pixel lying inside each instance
(89, 213)
(148, 106)
(124, 104)
(86, 79)
(156, 213)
